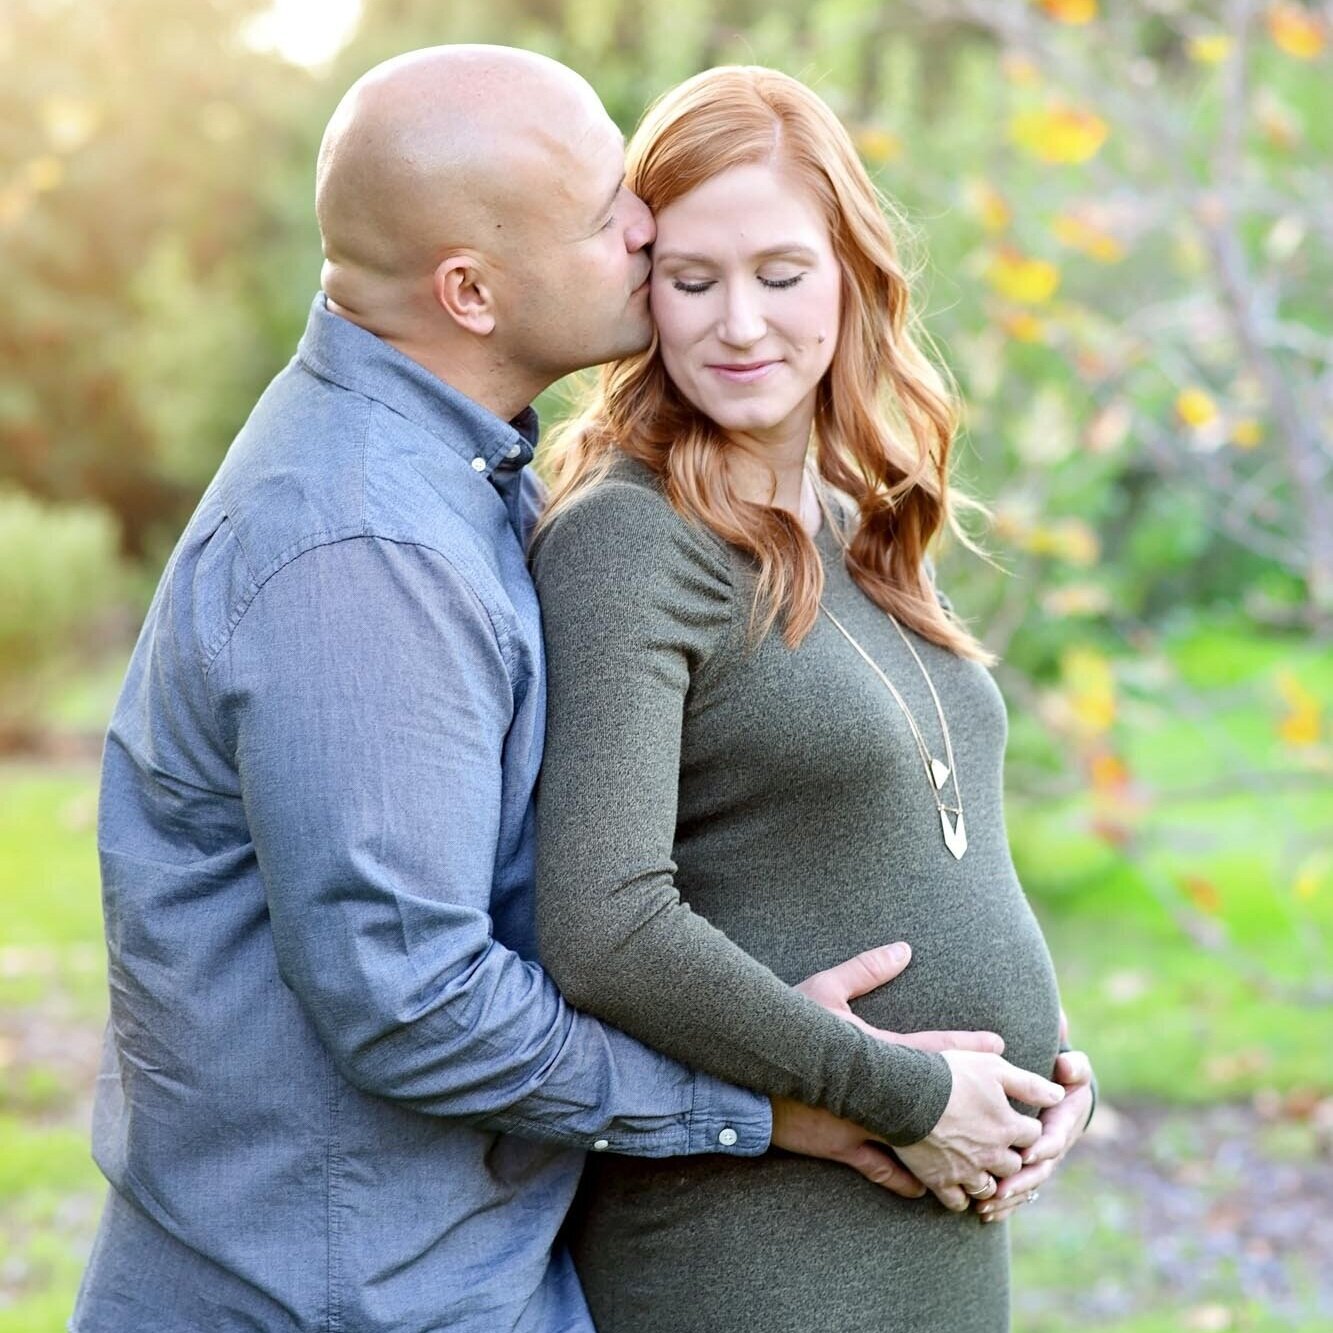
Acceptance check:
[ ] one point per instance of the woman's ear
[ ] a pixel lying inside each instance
(463, 293)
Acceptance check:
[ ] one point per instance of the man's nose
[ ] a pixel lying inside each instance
(642, 230)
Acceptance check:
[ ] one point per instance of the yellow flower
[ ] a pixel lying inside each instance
(1311, 875)
(1087, 238)
(1301, 724)
(1246, 433)
(1195, 408)
(1090, 689)
(878, 145)
(1210, 48)
(1076, 599)
(1070, 11)
(1296, 31)
(1023, 326)
(1069, 539)
(1019, 70)
(1019, 278)
(988, 204)
(1060, 133)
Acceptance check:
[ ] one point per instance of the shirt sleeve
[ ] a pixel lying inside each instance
(366, 695)
(635, 604)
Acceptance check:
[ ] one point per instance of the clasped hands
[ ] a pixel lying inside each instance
(981, 1153)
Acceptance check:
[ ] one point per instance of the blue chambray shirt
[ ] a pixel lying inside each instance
(338, 1092)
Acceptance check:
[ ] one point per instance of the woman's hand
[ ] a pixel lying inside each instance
(1061, 1127)
(868, 971)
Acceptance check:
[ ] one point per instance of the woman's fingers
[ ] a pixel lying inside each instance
(1072, 1068)
(1015, 1192)
(1061, 1125)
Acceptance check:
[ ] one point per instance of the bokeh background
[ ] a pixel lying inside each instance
(1122, 215)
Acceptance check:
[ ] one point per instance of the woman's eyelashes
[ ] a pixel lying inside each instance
(695, 288)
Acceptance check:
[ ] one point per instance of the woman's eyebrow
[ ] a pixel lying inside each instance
(784, 250)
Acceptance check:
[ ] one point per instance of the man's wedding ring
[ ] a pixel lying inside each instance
(985, 1191)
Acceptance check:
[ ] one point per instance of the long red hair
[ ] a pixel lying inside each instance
(885, 416)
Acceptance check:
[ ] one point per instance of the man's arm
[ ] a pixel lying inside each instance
(366, 697)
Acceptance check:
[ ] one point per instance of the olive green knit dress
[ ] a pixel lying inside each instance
(716, 822)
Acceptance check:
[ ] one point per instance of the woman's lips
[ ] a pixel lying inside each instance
(747, 373)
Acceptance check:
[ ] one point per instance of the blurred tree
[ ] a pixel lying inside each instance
(147, 161)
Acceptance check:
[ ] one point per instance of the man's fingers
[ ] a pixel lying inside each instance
(990, 1042)
(1031, 1088)
(860, 974)
(875, 1164)
(953, 1198)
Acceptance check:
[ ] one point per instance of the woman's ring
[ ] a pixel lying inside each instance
(1033, 1196)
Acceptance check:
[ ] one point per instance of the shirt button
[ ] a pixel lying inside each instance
(479, 465)
(727, 1138)
(513, 451)
(601, 1145)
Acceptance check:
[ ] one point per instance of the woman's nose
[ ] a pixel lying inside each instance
(742, 322)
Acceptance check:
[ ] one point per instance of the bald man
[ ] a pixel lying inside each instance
(338, 1091)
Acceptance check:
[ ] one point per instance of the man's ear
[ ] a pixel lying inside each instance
(463, 292)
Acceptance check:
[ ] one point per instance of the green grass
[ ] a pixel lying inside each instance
(1165, 1018)
(50, 1193)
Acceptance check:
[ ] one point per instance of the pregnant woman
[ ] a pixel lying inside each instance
(770, 744)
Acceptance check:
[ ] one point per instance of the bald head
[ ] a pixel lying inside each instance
(451, 147)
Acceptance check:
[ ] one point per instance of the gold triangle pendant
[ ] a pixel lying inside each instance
(939, 772)
(955, 837)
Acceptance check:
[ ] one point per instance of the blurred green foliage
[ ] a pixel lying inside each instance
(59, 567)
(1120, 230)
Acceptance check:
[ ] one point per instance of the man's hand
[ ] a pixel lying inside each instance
(868, 971)
(1061, 1128)
(978, 1134)
(814, 1133)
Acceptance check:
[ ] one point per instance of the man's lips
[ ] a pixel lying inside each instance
(744, 372)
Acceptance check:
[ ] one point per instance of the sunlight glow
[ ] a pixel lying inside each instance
(306, 32)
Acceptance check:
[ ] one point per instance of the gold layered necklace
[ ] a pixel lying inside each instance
(937, 771)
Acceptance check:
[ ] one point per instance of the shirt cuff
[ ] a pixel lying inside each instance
(728, 1119)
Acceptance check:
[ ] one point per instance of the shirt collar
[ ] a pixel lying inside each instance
(350, 356)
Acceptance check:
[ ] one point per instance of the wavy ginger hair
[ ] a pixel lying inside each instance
(884, 416)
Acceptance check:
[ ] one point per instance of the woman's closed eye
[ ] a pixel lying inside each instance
(695, 288)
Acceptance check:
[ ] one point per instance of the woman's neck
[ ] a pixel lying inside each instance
(777, 477)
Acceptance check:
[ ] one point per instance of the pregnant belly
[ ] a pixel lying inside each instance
(979, 965)
(979, 960)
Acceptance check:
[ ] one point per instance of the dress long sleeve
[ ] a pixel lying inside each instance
(639, 610)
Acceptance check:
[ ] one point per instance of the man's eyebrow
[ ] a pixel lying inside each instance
(784, 250)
